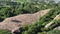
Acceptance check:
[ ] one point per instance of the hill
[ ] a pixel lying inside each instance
(26, 17)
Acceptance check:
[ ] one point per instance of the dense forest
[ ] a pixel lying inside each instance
(12, 8)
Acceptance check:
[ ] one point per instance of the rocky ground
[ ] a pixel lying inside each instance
(14, 23)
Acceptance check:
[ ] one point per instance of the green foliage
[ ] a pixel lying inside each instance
(4, 32)
(39, 26)
(31, 6)
(9, 9)
(51, 32)
(54, 32)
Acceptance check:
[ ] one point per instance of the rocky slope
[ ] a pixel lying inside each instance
(14, 23)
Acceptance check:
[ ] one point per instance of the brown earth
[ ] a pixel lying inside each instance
(14, 23)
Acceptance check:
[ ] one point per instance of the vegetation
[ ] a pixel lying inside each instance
(4, 32)
(10, 9)
(39, 26)
(51, 32)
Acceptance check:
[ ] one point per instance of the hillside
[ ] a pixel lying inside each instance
(29, 17)
(20, 20)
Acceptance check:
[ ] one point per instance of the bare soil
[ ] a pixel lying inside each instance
(22, 20)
